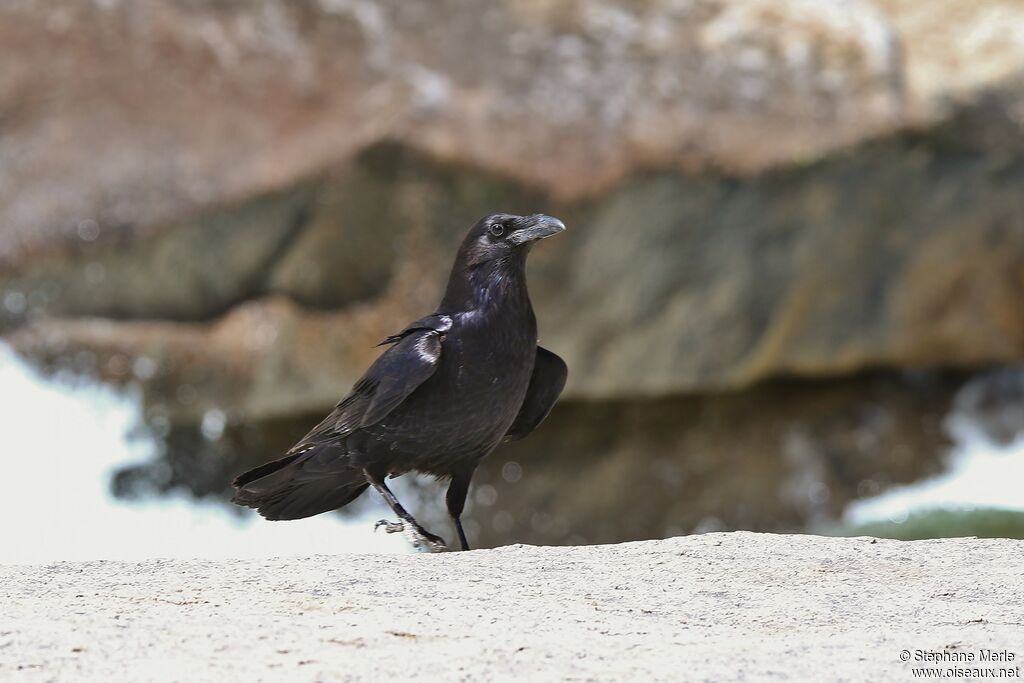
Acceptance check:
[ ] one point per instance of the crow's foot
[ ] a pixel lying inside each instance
(390, 527)
(427, 541)
(418, 537)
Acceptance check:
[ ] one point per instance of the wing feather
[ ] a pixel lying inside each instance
(389, 381)
(546, 384)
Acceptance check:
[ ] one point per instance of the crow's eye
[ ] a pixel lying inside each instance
(497, 230)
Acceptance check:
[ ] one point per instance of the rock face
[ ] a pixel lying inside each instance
(809, 270)
(254, 95)
(721, 607)
(229, 204)
(669, 284)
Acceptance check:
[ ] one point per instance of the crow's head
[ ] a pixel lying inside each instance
(502, 235)
(490, 265)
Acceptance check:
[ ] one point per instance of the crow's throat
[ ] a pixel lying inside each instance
(498, 285)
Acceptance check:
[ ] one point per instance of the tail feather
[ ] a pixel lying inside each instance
(301, 484)
(263, 470)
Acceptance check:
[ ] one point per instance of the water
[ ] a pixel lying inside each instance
(61, 442)
(981, 473)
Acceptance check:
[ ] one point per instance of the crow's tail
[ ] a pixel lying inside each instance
(301, 484)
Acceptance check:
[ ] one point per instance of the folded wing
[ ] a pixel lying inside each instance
(546, 384)
(388, 382)
(316, 475)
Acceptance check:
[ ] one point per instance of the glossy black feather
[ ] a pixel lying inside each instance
(388, 382)
(546, 384)
(399, 371)
(434, 323)
(449, 388)
(301, 484)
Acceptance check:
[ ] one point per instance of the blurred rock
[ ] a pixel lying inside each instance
(257, 164)
(907, 252)
(195, 270)
(135, 114)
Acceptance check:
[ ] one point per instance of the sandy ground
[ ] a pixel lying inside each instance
(717, 607)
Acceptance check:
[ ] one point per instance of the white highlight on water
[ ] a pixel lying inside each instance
(980, 474)
(60, 444)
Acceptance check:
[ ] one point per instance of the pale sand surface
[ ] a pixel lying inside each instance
(717, 607)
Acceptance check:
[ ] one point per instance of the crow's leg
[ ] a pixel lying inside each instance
(417, 535)
(456, 500)
(462, 534)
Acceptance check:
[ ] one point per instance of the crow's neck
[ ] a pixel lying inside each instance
(494, 285)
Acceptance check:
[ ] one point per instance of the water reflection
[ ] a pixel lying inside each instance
(87, 483)
(789, 456)
(980, 491)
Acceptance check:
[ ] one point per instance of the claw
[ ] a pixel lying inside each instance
(430, 543)
(389, 527)
(419, 538)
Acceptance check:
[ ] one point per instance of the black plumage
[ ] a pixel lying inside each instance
(449, 389)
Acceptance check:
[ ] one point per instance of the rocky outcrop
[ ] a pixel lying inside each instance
(719, 607)
(669, 284)
(136, 114)
(675, 279)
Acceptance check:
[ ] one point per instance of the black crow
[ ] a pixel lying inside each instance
(451, 387)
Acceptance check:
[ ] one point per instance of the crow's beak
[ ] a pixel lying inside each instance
(537, 227)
